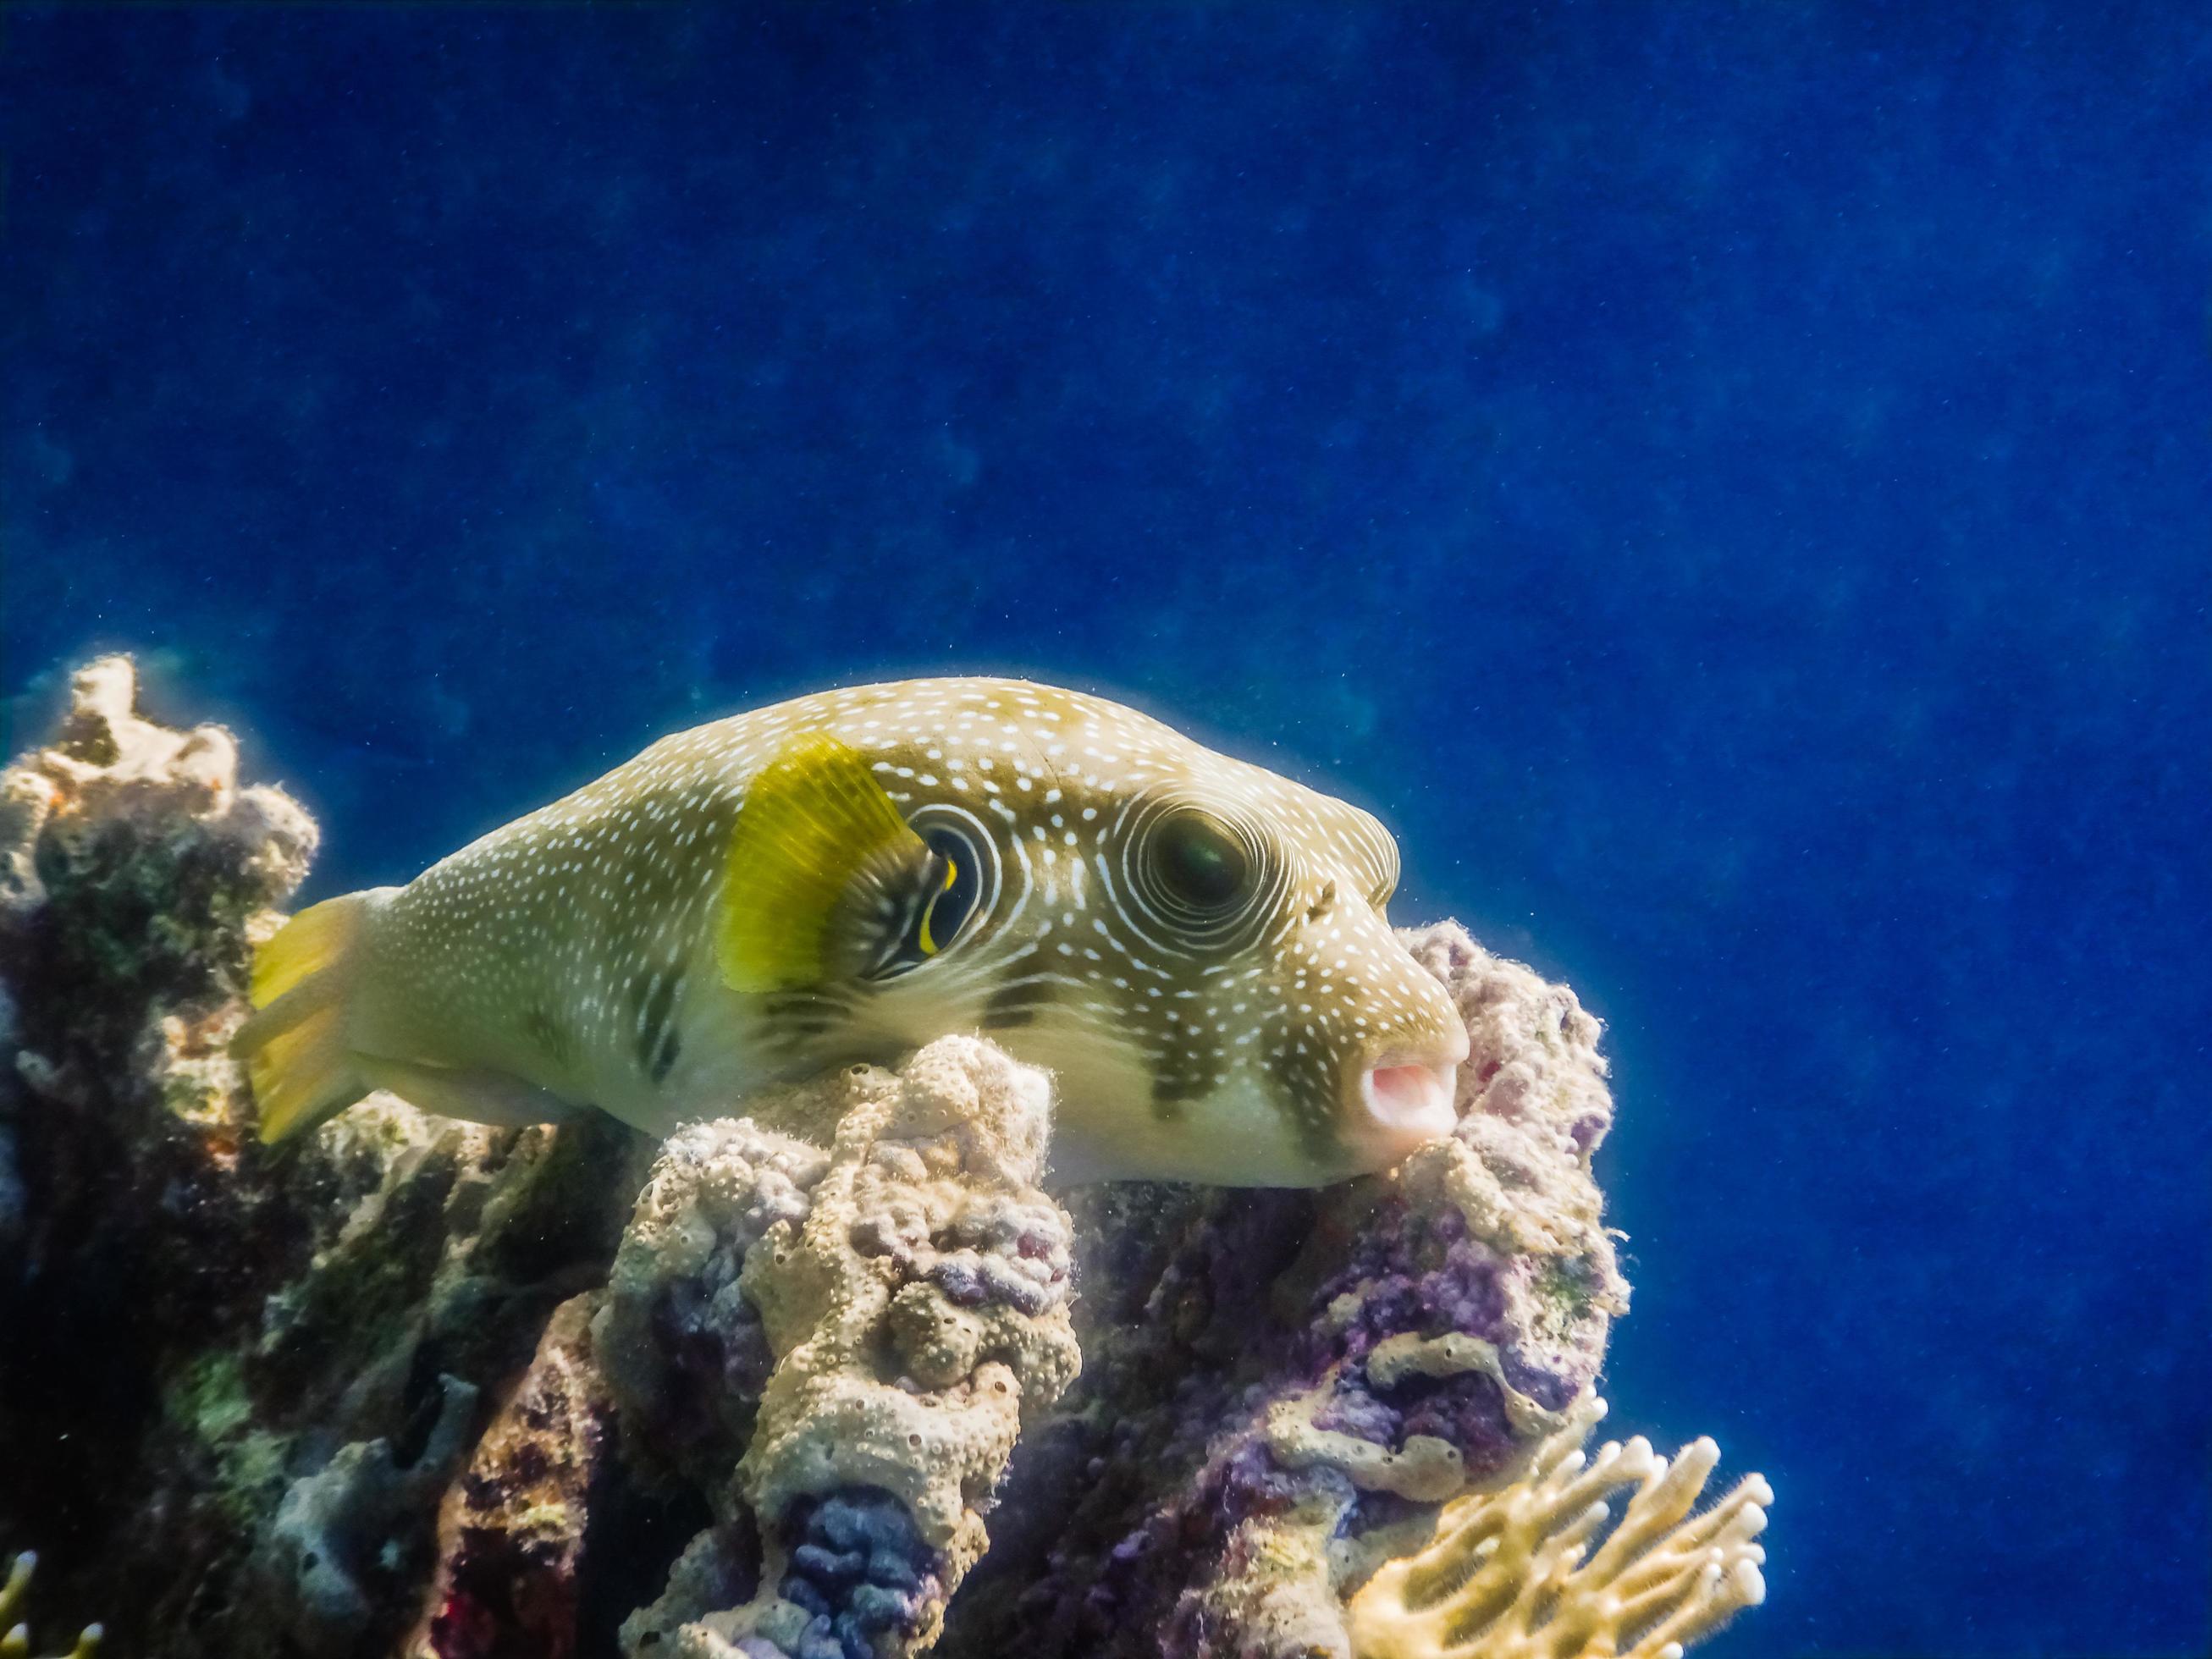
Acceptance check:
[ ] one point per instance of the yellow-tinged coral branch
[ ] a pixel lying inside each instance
(1509, 1574)
(17, 1644)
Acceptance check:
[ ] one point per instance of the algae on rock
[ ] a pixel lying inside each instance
(216, 1351)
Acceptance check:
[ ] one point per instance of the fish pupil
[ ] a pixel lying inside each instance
(1199, 863)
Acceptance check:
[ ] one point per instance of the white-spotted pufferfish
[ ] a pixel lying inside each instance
(1195, 946)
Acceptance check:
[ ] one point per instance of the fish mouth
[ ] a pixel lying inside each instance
(1405, 1097)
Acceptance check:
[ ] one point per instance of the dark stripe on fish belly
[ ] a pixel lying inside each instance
(796, 1016)
(656, 1036)
(548, 1034)
(1172, 1090)
(1017, 1003)
(1186, 1065)
(1305, 1080)
(791, 1021)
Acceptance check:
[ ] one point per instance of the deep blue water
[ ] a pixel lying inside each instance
(1731, 483)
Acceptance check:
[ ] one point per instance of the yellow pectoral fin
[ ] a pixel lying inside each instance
(814, 824)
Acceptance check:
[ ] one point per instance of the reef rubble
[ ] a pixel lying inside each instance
(425, 1388)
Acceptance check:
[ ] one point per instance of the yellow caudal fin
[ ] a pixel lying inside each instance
(293, 1045)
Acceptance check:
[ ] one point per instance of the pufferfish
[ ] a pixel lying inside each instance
(1194, 945)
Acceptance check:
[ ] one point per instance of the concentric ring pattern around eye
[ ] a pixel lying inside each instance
(1194, 881)
(956, 830)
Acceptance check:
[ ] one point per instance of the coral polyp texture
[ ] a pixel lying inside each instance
(1512, 1573)
(907, 1297)
(834, 1376)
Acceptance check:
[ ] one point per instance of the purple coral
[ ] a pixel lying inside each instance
(860, 1568)
(915, 1299)
(1265, 1368)
(1246, 1398)
(680, 1339)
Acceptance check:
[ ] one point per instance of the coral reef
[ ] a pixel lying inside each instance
(1510, 1573)
(803, 1382)
(1281, 1387)
(912, 1287)
(236, 1382)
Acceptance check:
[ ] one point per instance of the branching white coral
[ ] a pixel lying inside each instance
(1510, 1574)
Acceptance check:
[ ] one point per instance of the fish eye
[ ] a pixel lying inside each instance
(1198, 862)
(1190, 880)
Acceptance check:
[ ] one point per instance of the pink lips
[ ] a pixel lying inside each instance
(1410, 1098)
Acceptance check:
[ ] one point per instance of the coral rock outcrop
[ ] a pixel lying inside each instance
(801, 1383)
(237, 1382)
(911, 1288)
(1282, 1387)
(510, 1531)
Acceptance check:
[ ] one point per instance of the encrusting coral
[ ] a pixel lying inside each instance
(1281, 1387)
(801, 1383)
(134, 874)
(511, 1529)
(321, 1555)
(913, 1288)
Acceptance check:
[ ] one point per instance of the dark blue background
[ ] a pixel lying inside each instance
(1728, 483)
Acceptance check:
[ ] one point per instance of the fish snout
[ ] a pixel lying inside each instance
(1403, 1094)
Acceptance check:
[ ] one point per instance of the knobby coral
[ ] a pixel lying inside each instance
(902, 1301)
(1281, 1387)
